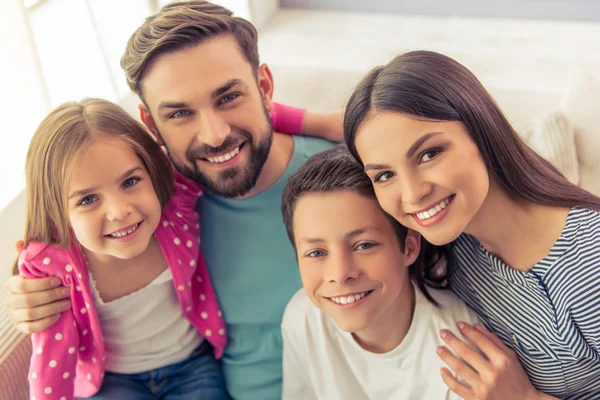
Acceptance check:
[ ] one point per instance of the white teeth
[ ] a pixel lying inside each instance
(125, 233)
(224, 157)
(349, 299)
(433, 210)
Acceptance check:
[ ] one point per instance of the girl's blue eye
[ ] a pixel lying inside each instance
(86, 201)
(130, 182)
(383, 176)
(316, 254)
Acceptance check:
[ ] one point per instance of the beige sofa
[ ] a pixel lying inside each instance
(564, 127)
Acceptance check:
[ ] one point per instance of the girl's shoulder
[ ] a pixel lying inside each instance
(49, 259)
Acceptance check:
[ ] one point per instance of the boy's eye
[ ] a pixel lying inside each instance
(130, 182)
(86, 201)
(229, 98)
(365, 246)
(316, 254)
(383, 176)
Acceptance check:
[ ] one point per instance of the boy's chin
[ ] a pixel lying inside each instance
(350, 325)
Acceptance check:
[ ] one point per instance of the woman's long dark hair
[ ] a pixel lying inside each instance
(432, 86)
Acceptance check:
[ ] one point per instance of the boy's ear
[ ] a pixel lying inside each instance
(412, 246)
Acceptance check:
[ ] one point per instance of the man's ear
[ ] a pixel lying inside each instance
(147, 119)
(412, 246)
(266, 85)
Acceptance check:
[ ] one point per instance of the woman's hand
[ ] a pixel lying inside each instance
(495, 375)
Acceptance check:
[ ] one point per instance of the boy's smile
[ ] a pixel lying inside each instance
(352, 264)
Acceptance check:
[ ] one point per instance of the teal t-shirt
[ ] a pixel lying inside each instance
(254, 272)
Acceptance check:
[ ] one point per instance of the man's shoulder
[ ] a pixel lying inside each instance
(309, 145)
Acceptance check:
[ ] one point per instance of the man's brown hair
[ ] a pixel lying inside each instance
(182, 25)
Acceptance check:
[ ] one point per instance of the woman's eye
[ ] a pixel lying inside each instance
(130, 182)
(179, 114)
(229, 98)
(365, 246)
(86, 201)
(316, 254)
(383, 176)
(429, 155)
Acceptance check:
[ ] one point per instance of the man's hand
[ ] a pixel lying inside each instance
(35, 304)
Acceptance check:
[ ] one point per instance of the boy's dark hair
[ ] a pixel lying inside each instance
(336, 169)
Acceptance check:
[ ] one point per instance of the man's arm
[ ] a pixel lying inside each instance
(35, 304)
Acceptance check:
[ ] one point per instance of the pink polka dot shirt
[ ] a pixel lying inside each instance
(68, 358)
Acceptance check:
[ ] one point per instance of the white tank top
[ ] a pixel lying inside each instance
(146, 330)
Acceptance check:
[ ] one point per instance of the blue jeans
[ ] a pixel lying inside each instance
(199, 377)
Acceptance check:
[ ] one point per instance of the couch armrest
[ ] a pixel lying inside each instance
(15, 352)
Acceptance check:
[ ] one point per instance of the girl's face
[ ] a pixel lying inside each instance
(428, 175)
(112, 206)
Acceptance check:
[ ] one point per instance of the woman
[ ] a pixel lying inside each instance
(525, 243)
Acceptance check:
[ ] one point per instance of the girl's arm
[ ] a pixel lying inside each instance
(297, 121)
(54, 357)
(498, 375)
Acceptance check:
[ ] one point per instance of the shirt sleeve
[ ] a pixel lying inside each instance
(54, 357)
(287, 119)
(296, 382)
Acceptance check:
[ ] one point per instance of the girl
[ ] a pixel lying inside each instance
(105, 216)
(525, 251)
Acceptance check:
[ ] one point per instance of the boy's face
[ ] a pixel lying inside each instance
(351, 262)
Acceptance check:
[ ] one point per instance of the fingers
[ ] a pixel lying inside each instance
(465, 352)
(27, 315)
(460, 368)
(37, 326)
(19, 246)
(457, 387)
(482, 341)
(18, 284)
(16, 301)
(491, 336)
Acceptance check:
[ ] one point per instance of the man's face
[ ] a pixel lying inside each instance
(211, 111)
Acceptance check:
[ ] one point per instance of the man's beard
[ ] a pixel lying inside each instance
(235, 181)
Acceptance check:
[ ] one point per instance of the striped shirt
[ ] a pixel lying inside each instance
(549, 315)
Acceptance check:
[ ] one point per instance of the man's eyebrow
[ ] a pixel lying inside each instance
(86, 191)
(419, 142)
(230, 84)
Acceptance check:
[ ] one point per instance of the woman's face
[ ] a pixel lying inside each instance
(428, 175)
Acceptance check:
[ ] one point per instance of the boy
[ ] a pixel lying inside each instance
(375, 328)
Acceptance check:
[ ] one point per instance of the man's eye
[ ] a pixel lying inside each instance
(86, 201)
(383, 176)
(130, 182)
(179, 114)
(229, 98)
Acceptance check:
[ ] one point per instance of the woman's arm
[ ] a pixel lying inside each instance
(297, 121)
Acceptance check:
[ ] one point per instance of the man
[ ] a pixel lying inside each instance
(207, 99)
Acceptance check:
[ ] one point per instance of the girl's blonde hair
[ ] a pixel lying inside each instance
(52, 153)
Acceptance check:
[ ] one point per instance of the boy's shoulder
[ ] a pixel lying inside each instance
(451, 308)
(301, 315)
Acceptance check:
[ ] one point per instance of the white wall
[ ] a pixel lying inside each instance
(23, 101)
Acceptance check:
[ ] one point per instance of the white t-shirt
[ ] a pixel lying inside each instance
(320, 361)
